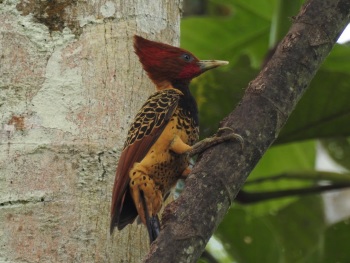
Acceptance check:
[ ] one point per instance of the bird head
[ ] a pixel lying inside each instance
(166, 65)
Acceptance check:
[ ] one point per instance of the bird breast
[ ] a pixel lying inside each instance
(165, 166)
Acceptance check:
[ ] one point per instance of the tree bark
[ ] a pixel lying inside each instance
(70, 85)
(190, 221)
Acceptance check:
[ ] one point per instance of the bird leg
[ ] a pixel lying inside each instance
(147, 198)
(206, 143)
(178, 146)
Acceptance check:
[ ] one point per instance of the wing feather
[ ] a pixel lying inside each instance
(149, 123)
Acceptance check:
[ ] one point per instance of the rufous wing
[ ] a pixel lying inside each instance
(149, 123)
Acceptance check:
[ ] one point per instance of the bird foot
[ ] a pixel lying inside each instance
(206, 143)
(232, 135)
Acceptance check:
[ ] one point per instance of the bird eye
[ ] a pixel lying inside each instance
(186, 57)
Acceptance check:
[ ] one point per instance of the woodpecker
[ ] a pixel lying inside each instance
(163, 132)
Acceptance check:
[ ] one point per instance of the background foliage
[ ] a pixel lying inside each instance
(290, 229)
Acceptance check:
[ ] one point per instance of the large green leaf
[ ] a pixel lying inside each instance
(247, 238)
(339, 150)
(292, 235)
(261, 9)
(284, 158)
(338, 61)
(336, 244)
(324, 110)
(244, 31)
(279, 160)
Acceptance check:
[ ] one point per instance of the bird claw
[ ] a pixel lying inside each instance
(232, 135)
(206, 143)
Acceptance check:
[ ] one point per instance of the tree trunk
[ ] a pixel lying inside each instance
(70, 85)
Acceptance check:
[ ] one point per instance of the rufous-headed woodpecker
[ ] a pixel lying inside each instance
(164, 130)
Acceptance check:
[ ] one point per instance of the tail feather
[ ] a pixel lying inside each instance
(152, 223)
(126, 215)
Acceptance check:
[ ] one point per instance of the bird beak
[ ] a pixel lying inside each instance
(209, 64)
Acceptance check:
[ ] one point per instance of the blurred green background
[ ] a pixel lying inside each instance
(293, 229)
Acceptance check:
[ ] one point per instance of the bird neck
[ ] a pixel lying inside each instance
(187, 101)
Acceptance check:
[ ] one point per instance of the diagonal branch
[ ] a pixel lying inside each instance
(189, 221)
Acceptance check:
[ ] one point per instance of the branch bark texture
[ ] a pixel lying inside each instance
(190, 221)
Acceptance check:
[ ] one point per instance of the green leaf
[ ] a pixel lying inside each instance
(323, 111)
(338, 61)
(302, 237)
(284, 158)
(244, 31)
(336, 244)
(261, 9)
(339, 150)
(278, 160)
(247, 238)
(292, 235)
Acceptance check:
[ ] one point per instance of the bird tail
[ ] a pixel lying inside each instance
(152, 222)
